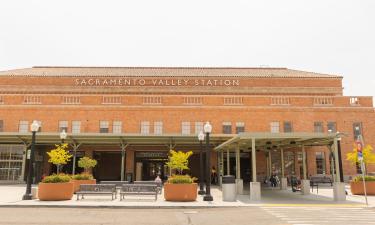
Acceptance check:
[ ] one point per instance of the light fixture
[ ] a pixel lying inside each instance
(34, 127)
(201, 136)
(63, 134)
(207, 127)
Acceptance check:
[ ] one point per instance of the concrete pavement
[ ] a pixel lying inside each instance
(11, 195)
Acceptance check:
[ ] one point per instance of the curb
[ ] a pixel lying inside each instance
(119, 207)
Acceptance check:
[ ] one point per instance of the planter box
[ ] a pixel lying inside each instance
(77, 183)
(180, 192)
(357, 188)
(55, 191)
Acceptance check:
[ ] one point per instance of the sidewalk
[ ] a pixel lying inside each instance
(11, 195)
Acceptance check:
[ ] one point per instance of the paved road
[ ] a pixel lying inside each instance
(323, 215)
(219, 216)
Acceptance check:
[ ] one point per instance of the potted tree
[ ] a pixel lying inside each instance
(356, 184)
(57, 186)
(86, 177)
(180, 187)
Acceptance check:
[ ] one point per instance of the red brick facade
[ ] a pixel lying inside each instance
(254, 96)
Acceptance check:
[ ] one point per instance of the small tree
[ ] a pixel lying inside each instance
(179, 160)
(367, 154)
(86, 163)
(59, 156)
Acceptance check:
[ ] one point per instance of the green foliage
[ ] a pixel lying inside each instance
(59, 156)
(181, 179)
(82, 176)
(368, 155)
(56, 178)
(87, 163)
(179, 160)
(367, 178)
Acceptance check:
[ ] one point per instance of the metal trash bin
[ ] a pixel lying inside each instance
(229, 188)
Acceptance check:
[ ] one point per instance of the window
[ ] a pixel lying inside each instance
(158, 127)
(288, 127)
(357, 130)
(320, 163)
(40, 125)
(280, 101)
(1, 125)
(23, 126)
(76, 127)
(63, 125)
(71, 100)
(103, 127)
(1, 99)
(331, 127)
(192, 100)
(233, 101)
(198, 127)
(323, 101)
(240, 127)
(32, 99)
(354, 101)
(145, 127)
(318, 127)
(227, 127)
(152, 100)
(11, 160)
(185, 128)
(111, 100)
(275, 127)
(117, 127)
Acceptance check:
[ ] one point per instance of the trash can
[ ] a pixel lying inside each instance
(129, 177)
(229, 188)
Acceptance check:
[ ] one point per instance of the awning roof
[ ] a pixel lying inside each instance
(110, 138)
(267, 141)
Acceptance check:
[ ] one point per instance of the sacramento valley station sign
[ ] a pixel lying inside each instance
(154, 82)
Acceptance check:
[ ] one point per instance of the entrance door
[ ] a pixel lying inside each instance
(151, 164)
(108, 167)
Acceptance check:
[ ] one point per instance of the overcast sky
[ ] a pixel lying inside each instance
(327, 36)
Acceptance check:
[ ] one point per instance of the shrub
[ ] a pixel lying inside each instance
(86, 163)
(181, 179)
(179, 160)
(56, 178)
(82, 176)
(367, 178)
(59, 156)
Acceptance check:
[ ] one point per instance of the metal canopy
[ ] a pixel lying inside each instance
(110, 139)
(268, 141)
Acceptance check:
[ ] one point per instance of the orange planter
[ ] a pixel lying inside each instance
(180, 192)
(55, 191)
(357, 188)
(76, 183)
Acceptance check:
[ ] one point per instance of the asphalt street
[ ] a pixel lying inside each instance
(205, 216)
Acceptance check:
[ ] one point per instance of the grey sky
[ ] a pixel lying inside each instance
(328, 36)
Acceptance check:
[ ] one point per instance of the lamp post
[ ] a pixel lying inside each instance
(207, 129)
(339, 157)
(201, 175)
(63, 135)
(34, 128)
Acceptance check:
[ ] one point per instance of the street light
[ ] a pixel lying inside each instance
(207, 129)
(339, 156)
(63, 135)
(34, 128)
(201, 176)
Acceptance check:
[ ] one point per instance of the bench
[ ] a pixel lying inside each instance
(316, 180)
(158, 184)
(115, 182)
(96, 189)
(138, 189)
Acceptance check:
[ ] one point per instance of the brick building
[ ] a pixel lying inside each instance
(129, 117)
